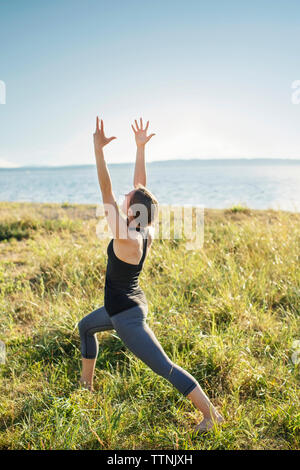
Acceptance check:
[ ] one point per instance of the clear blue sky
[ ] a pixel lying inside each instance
(213, 77)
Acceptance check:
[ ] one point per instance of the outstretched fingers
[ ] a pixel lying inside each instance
(149, 137)
(140, 127)
(99, 136)
(97, 124)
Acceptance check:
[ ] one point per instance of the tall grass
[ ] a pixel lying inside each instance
(228, 313)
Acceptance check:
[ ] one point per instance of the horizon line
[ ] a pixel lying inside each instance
(153, 161)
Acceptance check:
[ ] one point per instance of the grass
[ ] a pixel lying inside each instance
(228, 313)
(240, 208)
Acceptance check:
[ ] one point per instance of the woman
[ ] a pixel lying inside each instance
(125, 306)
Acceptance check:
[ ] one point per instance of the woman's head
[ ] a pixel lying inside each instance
(140, 204)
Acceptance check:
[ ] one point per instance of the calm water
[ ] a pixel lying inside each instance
(259, 184)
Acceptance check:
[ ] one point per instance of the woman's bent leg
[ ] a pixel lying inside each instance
(96, 321)
(132, 328)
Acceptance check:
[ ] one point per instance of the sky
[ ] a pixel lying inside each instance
(213, 78)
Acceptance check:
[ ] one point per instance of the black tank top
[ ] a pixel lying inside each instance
(122, 290)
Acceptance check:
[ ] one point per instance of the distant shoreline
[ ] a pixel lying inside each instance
(275, 161)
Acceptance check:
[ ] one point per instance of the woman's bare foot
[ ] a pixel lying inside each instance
(86, 385)
(208, 423)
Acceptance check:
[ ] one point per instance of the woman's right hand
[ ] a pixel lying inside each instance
(141, 134)
(99, 137)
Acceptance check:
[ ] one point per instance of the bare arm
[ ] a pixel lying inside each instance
(117, 223)
(103, 174)
(140, 167)
(141, 139)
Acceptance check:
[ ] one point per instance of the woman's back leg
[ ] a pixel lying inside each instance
(132, 328)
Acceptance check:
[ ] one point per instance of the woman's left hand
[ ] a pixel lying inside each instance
(99, 138)
(141, 137)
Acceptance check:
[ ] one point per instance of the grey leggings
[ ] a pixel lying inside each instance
(133, 330)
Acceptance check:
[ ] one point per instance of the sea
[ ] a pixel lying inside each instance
(215, 183)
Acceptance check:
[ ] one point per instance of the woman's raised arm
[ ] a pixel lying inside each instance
(116, 221)
(141, 139)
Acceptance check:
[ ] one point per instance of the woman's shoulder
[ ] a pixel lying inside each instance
(135, 238)
(132, 242)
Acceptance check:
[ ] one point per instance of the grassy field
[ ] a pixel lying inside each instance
(228, 313)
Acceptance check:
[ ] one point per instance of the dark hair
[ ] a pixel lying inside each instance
(143, 196)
